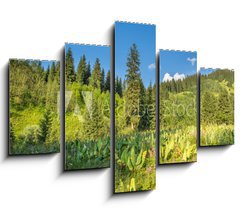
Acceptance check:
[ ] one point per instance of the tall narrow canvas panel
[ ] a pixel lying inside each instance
(87, 106)
(135, 93)
(216, 107)
(34, 126)
(178, 111)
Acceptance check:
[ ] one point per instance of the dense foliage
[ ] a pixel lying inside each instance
(87, 118)
(217, 108)
(135, 129)
(34, 117)
(178, 120)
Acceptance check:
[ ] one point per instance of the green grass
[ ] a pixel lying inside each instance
(178, 146)
(25, 124)
(135, 162)
(213, 135)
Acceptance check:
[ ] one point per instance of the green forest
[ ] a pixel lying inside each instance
(217, 108)
(178, 114)
(135, 129)
(34, 117)
(87, 114)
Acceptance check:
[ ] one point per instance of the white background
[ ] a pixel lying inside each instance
(35, 185)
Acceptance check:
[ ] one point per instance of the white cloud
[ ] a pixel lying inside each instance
(167, 77)
(177, 76)
(192, 60)
(151, 66)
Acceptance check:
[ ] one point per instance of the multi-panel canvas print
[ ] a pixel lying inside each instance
(87, 106)
(216, 107)
(178, 111)
(34, 126)
(135, 94)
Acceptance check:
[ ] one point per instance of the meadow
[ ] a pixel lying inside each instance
(135, 162)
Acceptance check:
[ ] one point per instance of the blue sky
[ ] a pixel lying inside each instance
(177, 64)
(144, 36)
(206, 71)
(46, 63)
(91, 52)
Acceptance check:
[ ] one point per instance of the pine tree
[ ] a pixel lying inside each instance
(47, 74)
(133, 88)
(151, 106)
(57, 74)
(144, 120)
(224, 113)
(45, 126)
(52, 73)
(118, 86)
(93, 128)
(82, 70)
(107, 83)
(70, 75)
(209, 108)
(87, 75)
(102, 80)
(96, 75)
(120, 89)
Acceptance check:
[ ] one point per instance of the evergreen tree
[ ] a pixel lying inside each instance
(47, 74)
(45, 126)
(70, 75)
(208, 107)
(118, 86)
(94, 119)
(151, 106)
(107, 83)
(96, 75)
(102, 80)
(224, 113)
(133, 88)
(52, 73)
(144, 120)
(120, 89)
(57, 74)
(82, 70)
(87, 75)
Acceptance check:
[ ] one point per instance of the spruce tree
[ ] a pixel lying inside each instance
(52, 73)
(87, 75)
(224, 113)
(120, 89)
(144, 120)
(151, 106)
(93, 129)
(57, 74)
(102, 80)
(208, 108)
(47, 74)
(133, 88)
(82, 70)
(45, 126)
(96, 74)
(70, 75)
(107, 83)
